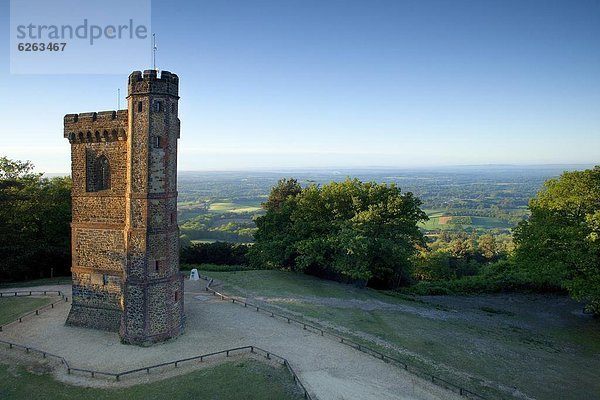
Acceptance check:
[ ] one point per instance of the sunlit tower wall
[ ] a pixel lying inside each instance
(98, 170)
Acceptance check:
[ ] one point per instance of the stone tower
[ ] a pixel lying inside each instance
(125, 238)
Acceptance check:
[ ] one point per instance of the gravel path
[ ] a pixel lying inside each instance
(328, 369)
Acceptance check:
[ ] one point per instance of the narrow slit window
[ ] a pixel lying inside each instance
(139, 106)
(102, 174)
(104, 279)
(157, 106)
(156, 142)
(156, 265)
(176, 296)
(172, 217)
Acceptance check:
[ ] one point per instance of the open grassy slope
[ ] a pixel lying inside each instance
(503, 346)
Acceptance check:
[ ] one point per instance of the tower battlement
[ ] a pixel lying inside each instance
(96, 126)
(150, 81)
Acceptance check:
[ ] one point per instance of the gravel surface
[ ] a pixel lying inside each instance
(328, 369)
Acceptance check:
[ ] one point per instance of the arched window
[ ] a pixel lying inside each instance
(102, 173)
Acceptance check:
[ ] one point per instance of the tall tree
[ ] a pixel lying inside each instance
(560, 239)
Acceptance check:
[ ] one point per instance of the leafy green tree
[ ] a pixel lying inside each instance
(275, 237)
(487, 246)
(275, 234)
(16, 171)
(280, 193)
(560, 239)
(460, 247)
(433, 266)
(360, 232)
(220, 253)
(35, 216)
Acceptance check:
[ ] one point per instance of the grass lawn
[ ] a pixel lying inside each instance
(245, 379)
(12, 308)
(281, 284)
(502, 346)
(60, 280)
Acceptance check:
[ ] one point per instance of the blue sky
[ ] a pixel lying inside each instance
(315, 83)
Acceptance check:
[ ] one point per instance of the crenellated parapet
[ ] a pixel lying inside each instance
(90, 127)
(153, 82)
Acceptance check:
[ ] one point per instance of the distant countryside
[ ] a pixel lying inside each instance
(221, 206)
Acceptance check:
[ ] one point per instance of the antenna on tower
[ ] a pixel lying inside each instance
(154, 51)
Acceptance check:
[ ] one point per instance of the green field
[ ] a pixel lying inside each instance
(186, 212)
(204, 241)
(502, 346)
(244, 379)
(189, 210)
(234, 207)
(433, 213)
(12, 308)
(436, 222)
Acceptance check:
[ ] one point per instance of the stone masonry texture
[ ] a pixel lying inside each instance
(125, 238)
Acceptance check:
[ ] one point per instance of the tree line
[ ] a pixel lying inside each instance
(35, 216)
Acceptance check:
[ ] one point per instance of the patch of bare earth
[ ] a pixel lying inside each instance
(444, 220)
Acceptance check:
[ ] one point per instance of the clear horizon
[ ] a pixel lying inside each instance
(400, 84)
(425, 168)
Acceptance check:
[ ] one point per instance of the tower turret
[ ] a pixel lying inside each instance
(153, 288)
